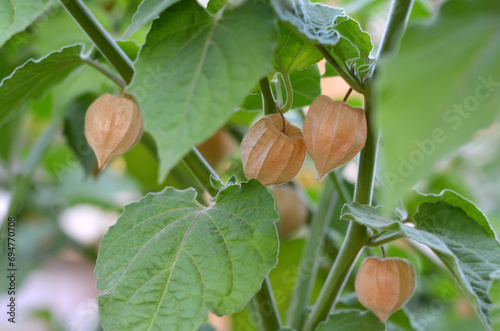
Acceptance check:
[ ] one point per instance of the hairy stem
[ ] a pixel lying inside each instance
(266, 307)
(347, 76)
(106, 72)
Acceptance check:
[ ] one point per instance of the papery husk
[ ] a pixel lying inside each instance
(384, 285)
(113, 125)
(334, 132)
(270, 155)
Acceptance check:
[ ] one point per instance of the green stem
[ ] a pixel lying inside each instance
(267, 97)
(266, 307)
(358, 235)
(384, 238)
(101, 38)
(339, 184)
(106, 72)
(201, 170)
(306, 274)
(347, 76)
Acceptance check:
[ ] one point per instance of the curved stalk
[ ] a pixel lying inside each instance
(106, 72)
(268, 102)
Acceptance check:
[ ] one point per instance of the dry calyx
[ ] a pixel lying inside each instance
(113, 125)
(384, 285)
(334, 132)
(273, 150)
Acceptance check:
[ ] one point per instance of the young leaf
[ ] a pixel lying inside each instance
(194, 70)
(169, 261)
(34, 78)
(214, 6)
(147, 11)
(17, 15)
(431, 100)
(467, 249)
(351, 319)
(329, 26)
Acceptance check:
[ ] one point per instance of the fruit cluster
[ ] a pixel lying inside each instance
(273, 150)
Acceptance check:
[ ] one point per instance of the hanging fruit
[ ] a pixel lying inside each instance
(273, 150)
(334, 132)
(384, 285)
(113, 125)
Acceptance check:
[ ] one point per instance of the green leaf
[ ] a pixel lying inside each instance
(494, 292)
(147, 11)
(294, 52)
(306, 86)
(169, 261)
(316, 21)
(17, 15)
(431, 101)
(351, 319)
(194, 70)
(466, 248)
(330, 26)
(36, 77)
(74, 131)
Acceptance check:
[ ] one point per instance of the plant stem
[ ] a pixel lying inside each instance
(339, 184)
(358, 235)
(266, 306)
(201, 170)
(347, 76)
(306, 274)
(100, 37)
(268, 102)
(288, 85)
(384, 239)
(106, 72)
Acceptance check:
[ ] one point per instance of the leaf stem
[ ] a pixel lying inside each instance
(266, 306)
(306, 274)
(347, 76)
(341, 188)
(358, 235)
(288, 85)
(384, 238)
(201, 170)
(106, 72)
(101, 38)
(268, 102)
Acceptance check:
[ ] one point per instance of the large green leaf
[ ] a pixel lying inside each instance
(196, 69)
(467, 249)
(494, 292)
(442, 86)
(34, 78)
(17, 15)
(147, 11)
(351, 319)
(169, 261)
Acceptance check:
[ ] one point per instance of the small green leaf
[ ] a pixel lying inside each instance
(431, 101)
(351, 319)
(168, 261)
(194, 70)
(17, 15)
(36, 77)
(74, 131)
(306, 86)
(147, 11)
(494, 292)
(467, 249)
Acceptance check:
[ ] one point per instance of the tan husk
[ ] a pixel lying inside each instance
(113, 125)
(384, 286)
(334, 132)
(270, 155)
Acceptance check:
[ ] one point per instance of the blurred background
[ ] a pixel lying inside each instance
(63, 210)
